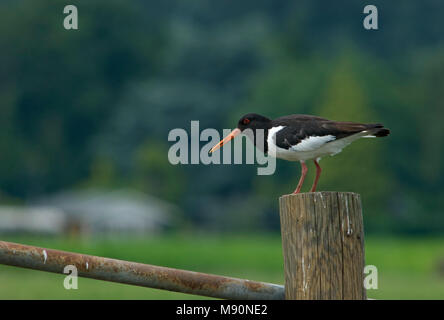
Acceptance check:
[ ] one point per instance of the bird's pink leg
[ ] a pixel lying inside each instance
(301, 180)
(318, 174)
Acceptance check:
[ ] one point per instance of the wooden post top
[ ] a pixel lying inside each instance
(321, 193)
(323, 245)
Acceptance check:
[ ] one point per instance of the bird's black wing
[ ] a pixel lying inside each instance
(290, 137)
(297, 128)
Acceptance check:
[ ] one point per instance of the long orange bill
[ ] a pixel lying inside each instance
(231, 136)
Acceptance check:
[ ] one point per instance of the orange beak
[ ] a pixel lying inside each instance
(231, 136)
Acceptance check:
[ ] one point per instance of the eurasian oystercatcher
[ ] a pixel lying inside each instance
(301, 137)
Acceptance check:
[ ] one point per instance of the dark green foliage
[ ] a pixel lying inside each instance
(93, 107)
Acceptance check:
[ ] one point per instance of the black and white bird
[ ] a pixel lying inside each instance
(301, 137)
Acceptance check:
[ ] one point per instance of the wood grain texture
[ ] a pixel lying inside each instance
(323, 245)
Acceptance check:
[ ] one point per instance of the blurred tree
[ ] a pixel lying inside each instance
(103, 174)
(153, 173)
(60, 86)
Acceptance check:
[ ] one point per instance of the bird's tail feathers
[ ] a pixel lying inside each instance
(377, 131)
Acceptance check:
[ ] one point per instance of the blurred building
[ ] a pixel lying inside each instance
(89, 211)
(45, 220)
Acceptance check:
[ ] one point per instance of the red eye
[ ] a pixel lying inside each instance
(246, 121)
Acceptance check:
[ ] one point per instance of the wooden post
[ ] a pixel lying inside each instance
(323, 245)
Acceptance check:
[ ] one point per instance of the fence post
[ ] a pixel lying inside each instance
(323, 245)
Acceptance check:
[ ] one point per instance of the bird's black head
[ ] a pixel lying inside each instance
(253, 121)
(250, 121)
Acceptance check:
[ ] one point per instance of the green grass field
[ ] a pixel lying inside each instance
(408, 268)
